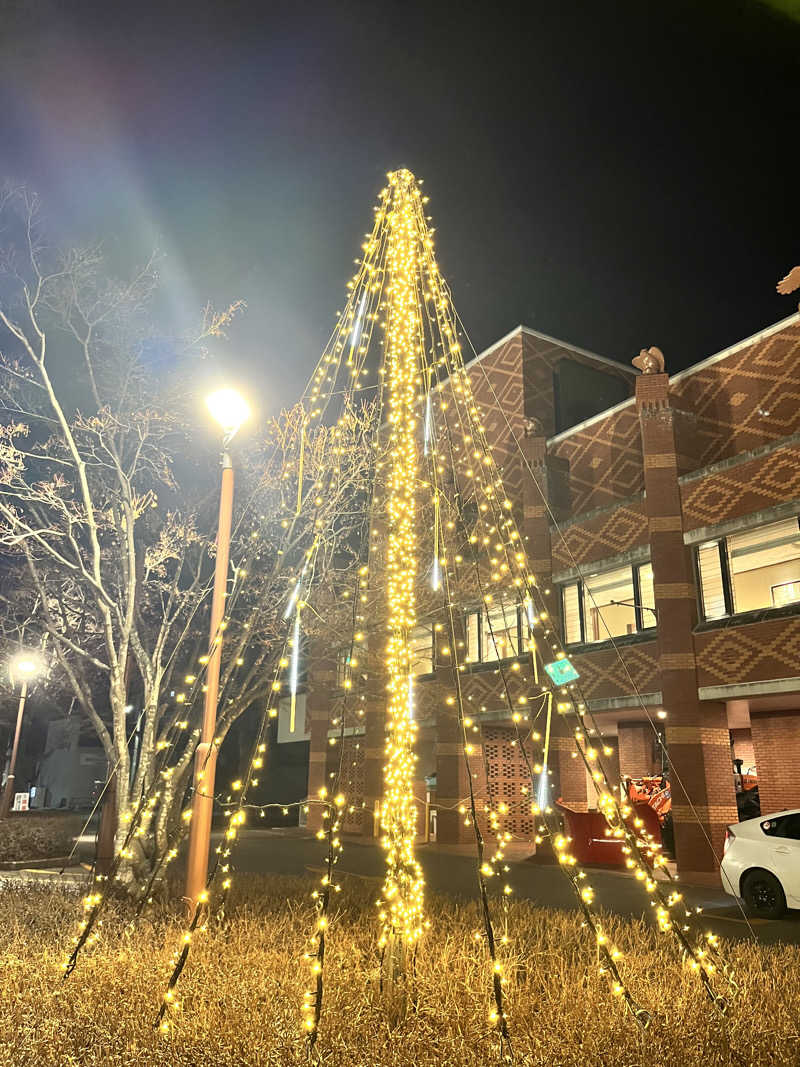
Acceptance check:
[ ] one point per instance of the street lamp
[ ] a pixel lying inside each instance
(229, 409)
(24, 666)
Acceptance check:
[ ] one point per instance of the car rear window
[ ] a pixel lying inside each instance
(783, 826)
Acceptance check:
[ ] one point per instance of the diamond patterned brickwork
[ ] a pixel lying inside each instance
(605, 460)
(521, 373)
(608, 534)
(743, 489)
(755, 653)
(504, 369)
(748, 399)
(604, 676)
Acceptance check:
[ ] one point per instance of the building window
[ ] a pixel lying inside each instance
(420, 648)
(713, 598)
(571, 613)
(342, 667)
(646, 596)
(750, 570)
(610, 604)
(493, 634)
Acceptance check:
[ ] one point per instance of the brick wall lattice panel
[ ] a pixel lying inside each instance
(352, 782)
(507, 775)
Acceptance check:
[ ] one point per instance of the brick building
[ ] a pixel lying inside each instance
(670, 546)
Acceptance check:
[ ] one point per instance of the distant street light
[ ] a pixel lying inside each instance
(24, 666)
(230, 410)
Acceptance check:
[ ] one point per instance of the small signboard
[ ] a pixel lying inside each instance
(21, 801)
(561, 671)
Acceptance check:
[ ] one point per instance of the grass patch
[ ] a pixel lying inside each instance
(244, 983)
(34, 836)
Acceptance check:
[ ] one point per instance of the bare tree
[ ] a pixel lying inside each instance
(107, 502)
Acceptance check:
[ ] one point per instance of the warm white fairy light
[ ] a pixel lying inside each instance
(402, 908)
(642, 856)
(293, 670)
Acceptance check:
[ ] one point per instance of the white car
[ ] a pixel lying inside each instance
(761, 863)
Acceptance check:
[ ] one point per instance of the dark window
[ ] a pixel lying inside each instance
(784, 826)
(581, 391)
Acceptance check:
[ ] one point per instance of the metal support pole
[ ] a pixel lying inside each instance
(8, 792)
(205, 763)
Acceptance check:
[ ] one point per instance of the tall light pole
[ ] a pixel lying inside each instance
(230, 410)
(25, 666)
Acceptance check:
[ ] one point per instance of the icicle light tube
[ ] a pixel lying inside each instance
(402, 909)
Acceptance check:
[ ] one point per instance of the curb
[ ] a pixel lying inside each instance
(32, 865)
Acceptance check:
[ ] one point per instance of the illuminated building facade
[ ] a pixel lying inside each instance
(661, 513)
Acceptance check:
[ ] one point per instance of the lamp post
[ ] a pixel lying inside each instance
(230, 410)
(25, 666)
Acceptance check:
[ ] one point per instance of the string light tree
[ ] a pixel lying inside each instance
(403, 888)
(397, 282)
(422, 346)
(396, 578)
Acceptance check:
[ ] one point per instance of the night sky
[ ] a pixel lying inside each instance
(614, 174)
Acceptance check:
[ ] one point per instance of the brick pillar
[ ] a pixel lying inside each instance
(636, 741)
(452, 781)
(571, 785)
(321, 683)
(570, 774)
(776, 745)
(535, 525)
(374, 742)
(696, 734)
(452, 785)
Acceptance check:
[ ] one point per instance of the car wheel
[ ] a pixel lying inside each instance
(763, 895)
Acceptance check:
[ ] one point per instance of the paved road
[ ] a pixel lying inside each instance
(290, 852)
(281, 852)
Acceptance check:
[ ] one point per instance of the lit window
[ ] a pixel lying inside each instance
(785, 593)
(646, 596)
(474, 637)
(712, 586)
(765, 566)
(420, 649)
(609, 604)
(501, 632)
(571, 610)
(342, 666)
(494, 634)
(750, 570)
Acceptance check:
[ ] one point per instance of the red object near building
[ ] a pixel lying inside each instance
(592, 844)
(653, 790)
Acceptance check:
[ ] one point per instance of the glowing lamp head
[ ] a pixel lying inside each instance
(26, 665)
(229, 409)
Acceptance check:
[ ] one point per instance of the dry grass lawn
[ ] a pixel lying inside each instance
(244, 983)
